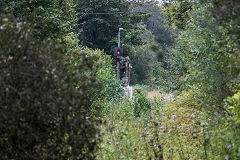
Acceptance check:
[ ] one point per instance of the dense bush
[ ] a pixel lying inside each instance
(225, 143)
(44, 98)
(208, 44)
(141, 104)
(208, 47)
(112, 89)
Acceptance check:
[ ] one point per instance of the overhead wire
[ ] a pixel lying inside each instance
(102, 13)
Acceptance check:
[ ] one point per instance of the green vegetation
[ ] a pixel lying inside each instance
(44, 108)
(53, 18)
(102, 30)
(59, 100)
(48, 94)
(202, 120)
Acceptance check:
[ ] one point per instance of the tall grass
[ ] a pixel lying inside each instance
(170, 129)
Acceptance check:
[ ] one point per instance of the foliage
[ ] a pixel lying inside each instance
(181, 129)
(122, 132)
(153, 61)
(145, 37)
(167, 131)
(141, 104)
(52, 18)
(52, 95)
(143, 60)
(177, 12)
(227, 13)
(156, 23)
(183, 126)
(150, 70)
(225, 142)
(102, 30)
(209, 54)
(44, 97)
(112, 89)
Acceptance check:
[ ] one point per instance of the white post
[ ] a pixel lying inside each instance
(120, 29)
(128, 92)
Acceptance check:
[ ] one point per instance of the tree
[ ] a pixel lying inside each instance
(102, 29)
(52, 18)
(177, 12)
(208, 44)
(208, 51)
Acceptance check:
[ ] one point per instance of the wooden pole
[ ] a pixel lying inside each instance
(84, 33)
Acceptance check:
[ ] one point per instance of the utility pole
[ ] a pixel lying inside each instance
(84, 33)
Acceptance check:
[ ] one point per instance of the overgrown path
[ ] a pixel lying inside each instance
(167, 130)
(156, 94)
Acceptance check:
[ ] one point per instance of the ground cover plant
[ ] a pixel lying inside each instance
(166, 131)
(176, 128)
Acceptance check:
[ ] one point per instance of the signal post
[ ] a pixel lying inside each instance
(123, 70)
(118, 53)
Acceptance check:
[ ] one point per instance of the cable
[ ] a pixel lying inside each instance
(102, 13)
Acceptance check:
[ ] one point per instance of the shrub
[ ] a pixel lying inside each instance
(112, 89)
(44, 98)
(225, 141)
(141, 104)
